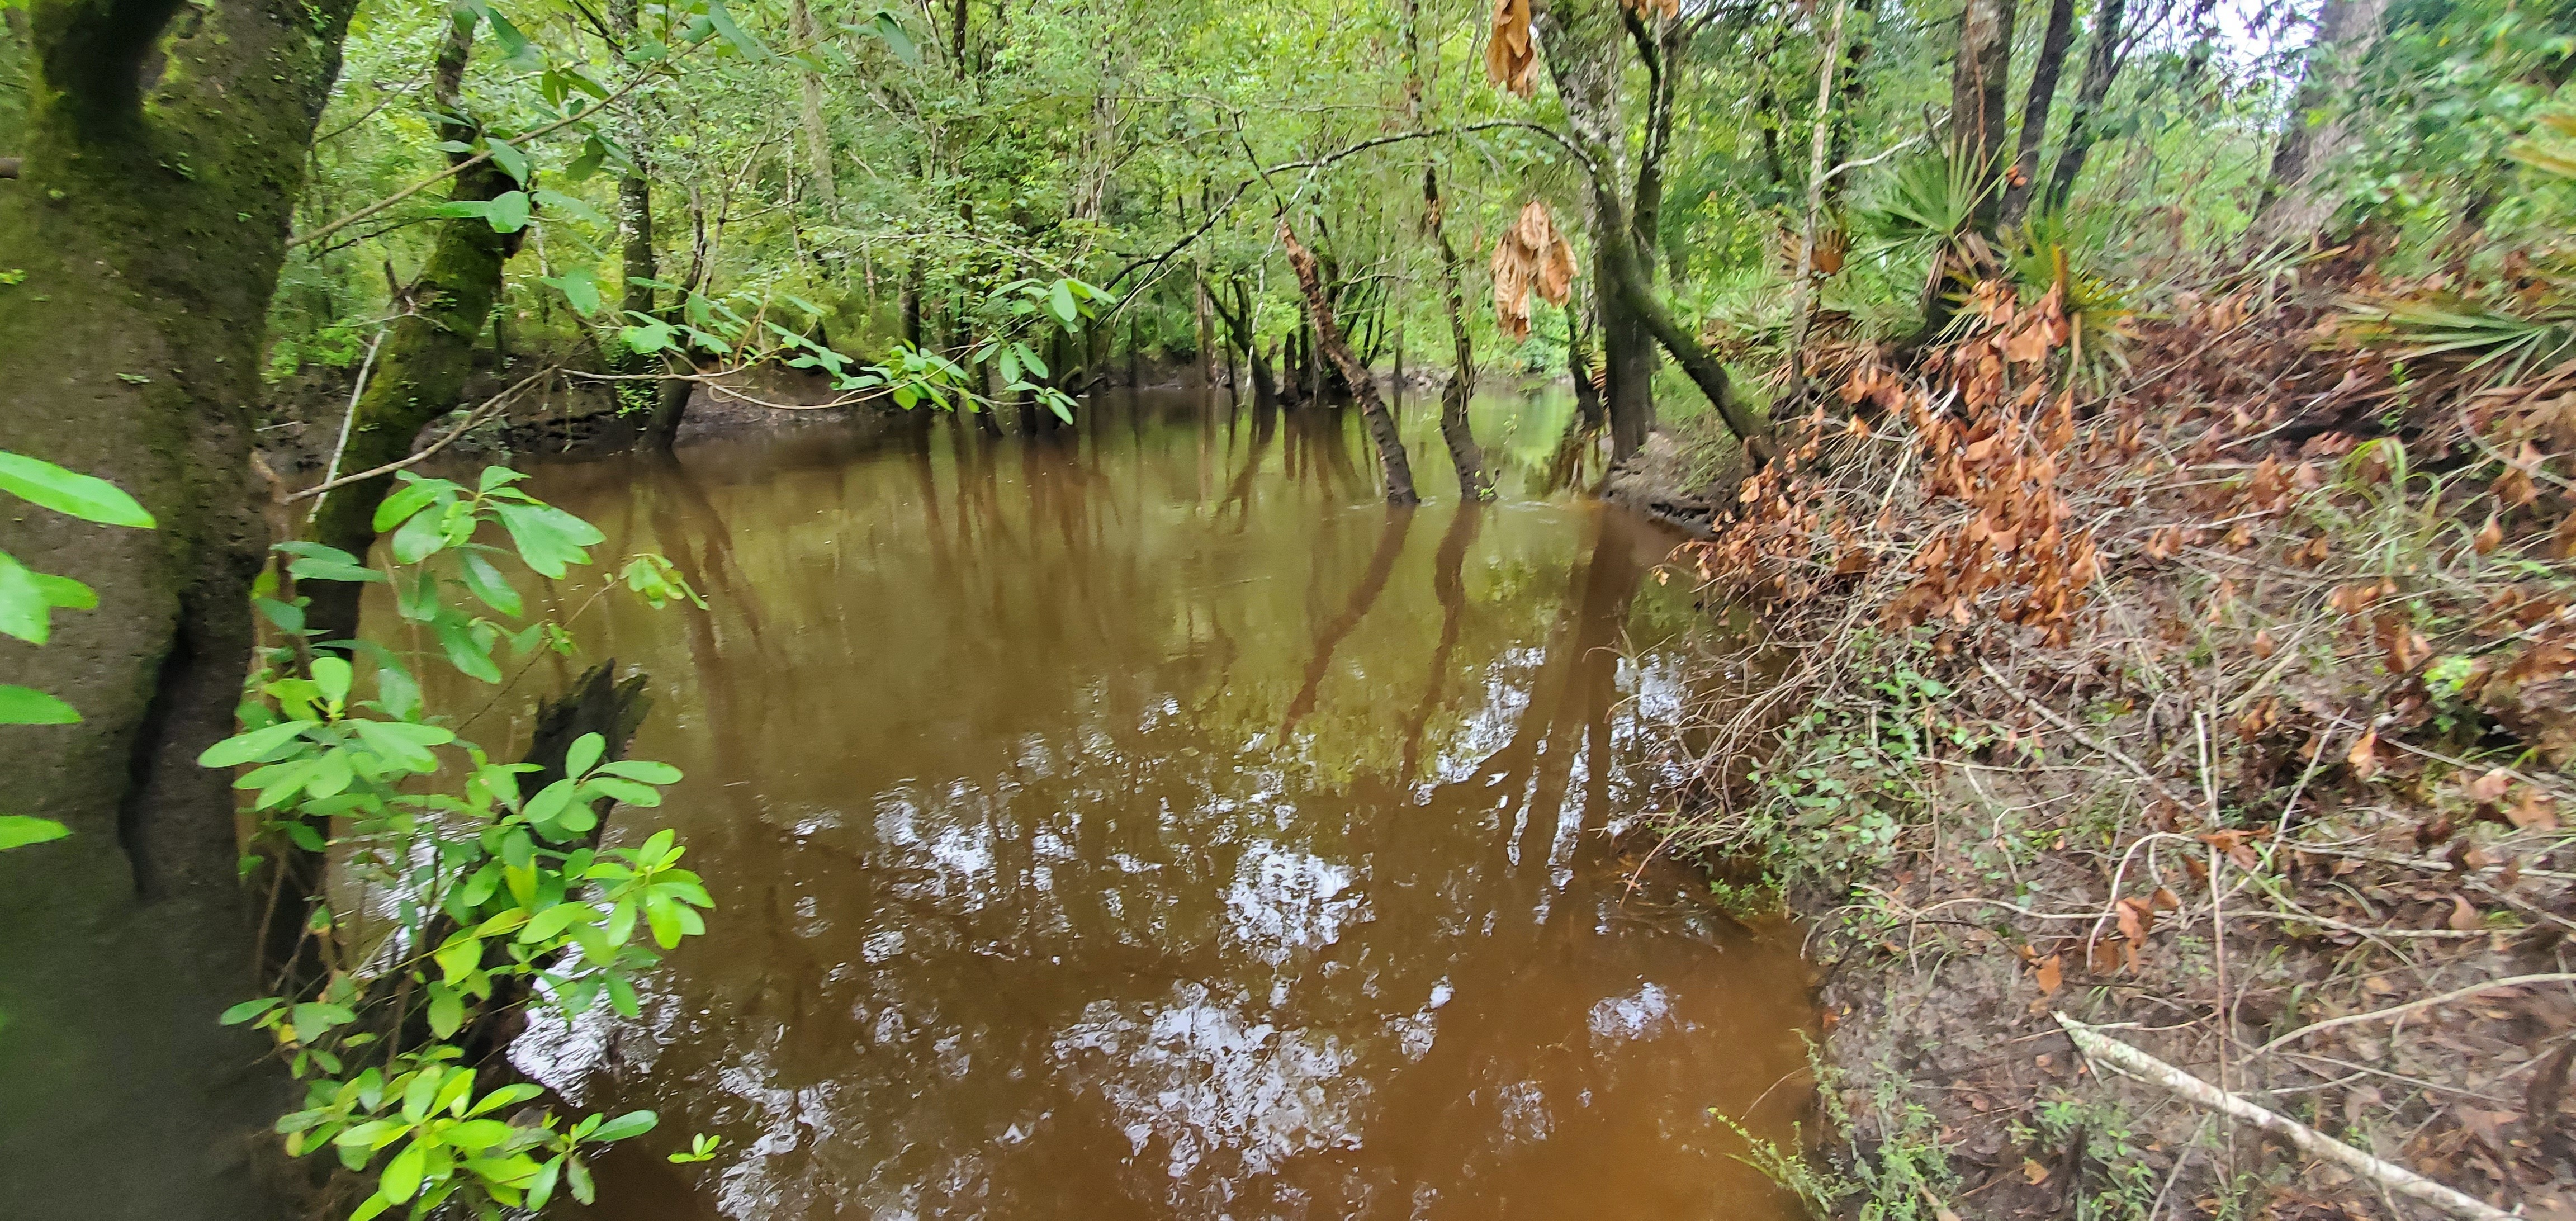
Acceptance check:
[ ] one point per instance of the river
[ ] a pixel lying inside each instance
(1142, 820)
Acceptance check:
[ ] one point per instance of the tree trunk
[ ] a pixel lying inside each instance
(1977, 106)
(2317, 130)
(818, 136)
(1578, 361)
(2102, 64)
(2035, 106)
(645, 398)
(162, 161)
(1455, 429)
(422, 370)
(1855, 91)
(1381, 425)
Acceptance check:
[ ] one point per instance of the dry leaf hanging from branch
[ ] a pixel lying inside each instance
(1667, 9)
(1532, 256)
(1509, 54)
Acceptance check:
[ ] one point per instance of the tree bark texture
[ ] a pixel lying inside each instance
(2318, 128)
(426, 358)
(1465, 456)
(163, 154)
(2102, 63)
(1328, 336)
(1978, 78)
(2035, 106)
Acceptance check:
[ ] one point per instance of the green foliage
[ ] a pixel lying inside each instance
(28, 599)
(502, 898)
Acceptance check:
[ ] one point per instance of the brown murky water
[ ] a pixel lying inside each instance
(1144, 821)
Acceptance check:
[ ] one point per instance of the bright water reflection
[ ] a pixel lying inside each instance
(1144, 821)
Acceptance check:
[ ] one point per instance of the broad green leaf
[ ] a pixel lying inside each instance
(86, 497)
(446, 1012)
(413, 496)
(579, 285)
(550, 923)
(733, 34)
(1060, 300)
(630, 1124)
(558, 203)
(248, 1010)
(509, 158)
(489, 585)
(896, 39)
(331, 675)
(547, 537)
(20, 830)
(515, 1092)
(65, 593)
(256, 746)
(584, 754)
(23, 604)
(402, 1175)
(28, 706)
(645, 770)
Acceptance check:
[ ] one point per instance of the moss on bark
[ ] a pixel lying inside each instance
(162, 155)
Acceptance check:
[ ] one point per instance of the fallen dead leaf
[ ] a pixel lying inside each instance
(2033, 1173)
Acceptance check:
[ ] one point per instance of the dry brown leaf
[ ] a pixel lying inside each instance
(1531, 256)
(2363, 756)
(2492, 786)
(2033, 1172)
(2533, 812)
(2050, 974)
(2464, 918)
(2263, 646)
(2490, 536)
(1510, 55)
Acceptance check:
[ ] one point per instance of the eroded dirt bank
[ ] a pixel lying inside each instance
(2229, 709)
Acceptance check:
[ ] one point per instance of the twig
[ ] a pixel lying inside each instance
(2131, 1062)
(2068, 727)
(2558, 977)
(479, 415)
(349, 419)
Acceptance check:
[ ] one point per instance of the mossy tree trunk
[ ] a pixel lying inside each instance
(426, 359)
(1328, 337)
(163, 153)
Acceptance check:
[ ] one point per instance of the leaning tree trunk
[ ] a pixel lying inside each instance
(1455, 429)
(162, 161)
(2044, 72)
(1584, 56)
(1328, 337)
(2293, 207)
(2102, 64)
(425, 361)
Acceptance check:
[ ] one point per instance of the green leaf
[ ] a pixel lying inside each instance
(579, 285)
(566, 205)
(515, 1092)
(402, 1175)
(584, 754)
(331, 675)
(247, 1010)
(23, 604)
(746, 44)
(65, 593)
(550, 923)
(488, 584)
(446, 1012)
(896, 39)
(630, 1124)
(547, 537)
(508, 212)
(414, 495)
(458, 958)
(645, 770)
(83, 496)
(542, 1188)
(1060, 301)
(20, 830)
(257, 746)
(508, 157)
(28, 706)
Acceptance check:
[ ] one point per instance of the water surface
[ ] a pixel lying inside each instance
(1145, 821)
